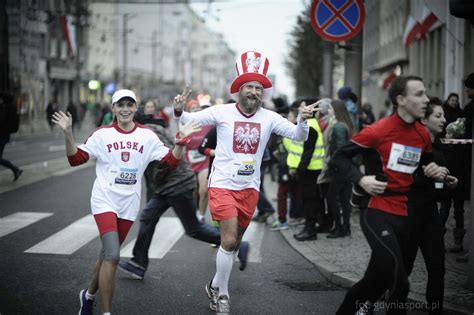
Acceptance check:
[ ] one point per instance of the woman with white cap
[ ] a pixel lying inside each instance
(123, 150)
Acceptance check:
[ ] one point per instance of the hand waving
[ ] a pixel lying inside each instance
(189, 128)
(63, 121)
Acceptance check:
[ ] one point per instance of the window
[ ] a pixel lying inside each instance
(43, 47)
(64, 50)
(53, 48)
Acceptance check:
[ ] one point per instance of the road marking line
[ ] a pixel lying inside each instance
(168, 231)
(72, 169)
(19, 220)
(254, 235)
(55, 148)
(69, 239)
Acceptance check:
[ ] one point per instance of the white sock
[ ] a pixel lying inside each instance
(199, 216)
(89, 296)
(224, 262)
(107, 313)
(236, 254)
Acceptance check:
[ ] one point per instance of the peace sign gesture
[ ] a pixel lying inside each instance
(180, 100)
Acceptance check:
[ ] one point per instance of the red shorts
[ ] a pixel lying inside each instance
(226, 204)
(108, 222)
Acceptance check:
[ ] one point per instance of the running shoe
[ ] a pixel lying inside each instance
(277, 225)
(296, 221)
(223, 305)
(86, 305)
(212, 294)
(134, 269)
(243, 254)
(262, 218)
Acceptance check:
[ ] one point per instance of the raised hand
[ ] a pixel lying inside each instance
(180, 100)
(189, 128)
(63, 121)
(308, 111)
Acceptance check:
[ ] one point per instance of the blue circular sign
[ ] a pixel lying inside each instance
(337, 20)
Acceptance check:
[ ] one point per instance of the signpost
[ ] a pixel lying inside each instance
(337, 20)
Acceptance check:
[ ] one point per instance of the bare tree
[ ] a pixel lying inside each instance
(304, 62)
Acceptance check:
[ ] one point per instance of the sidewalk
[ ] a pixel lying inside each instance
(39, 126)
(343, 261)
(33, 126)
(39, 130)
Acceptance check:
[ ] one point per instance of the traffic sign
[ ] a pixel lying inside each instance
(337, 20)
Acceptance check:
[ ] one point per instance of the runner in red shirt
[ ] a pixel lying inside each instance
(394, 148)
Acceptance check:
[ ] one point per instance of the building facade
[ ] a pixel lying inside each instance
(46, 59)
(156, 49)
(441, 51)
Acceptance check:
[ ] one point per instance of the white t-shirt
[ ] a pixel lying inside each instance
(241, 142)
(122, 157)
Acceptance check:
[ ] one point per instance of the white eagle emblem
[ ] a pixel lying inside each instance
(253, 64)
(246, 138)
(125, 156)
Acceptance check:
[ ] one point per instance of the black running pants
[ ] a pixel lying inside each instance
(387, 236)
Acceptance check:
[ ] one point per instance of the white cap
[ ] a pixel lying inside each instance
(119, 94)
(204, 100)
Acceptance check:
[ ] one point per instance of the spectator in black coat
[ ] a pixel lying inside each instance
(9, 120)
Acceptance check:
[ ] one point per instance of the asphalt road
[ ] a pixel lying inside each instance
(279, 282)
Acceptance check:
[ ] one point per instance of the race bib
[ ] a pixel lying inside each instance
(123, 178)
(404, 158)
(242, 171)
(195, 157)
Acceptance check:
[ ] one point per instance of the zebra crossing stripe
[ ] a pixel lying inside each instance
(254, 235)
(168, 231)
(69, 239)
(19, 220)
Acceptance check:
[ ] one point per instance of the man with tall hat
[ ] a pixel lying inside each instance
(243, 129)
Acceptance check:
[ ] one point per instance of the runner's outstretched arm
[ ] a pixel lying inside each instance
(65, 123)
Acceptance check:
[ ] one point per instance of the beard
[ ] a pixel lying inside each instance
(249, 105)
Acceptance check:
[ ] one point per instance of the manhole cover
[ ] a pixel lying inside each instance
(310, 286)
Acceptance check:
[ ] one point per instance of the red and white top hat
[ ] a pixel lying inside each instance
(251, 66)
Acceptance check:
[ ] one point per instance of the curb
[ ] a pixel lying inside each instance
(347, 279)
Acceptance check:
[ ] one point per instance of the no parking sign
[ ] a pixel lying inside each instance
(337, 20)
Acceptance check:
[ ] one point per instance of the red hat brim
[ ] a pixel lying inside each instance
(248, 77)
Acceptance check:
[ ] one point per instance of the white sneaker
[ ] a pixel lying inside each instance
(277, 225)
(212, 294)
(223, 305)
(298, 221)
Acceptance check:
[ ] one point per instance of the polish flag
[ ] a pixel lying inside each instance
(412, 31)
(388, 79)
(428, 18)
(69, 31)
